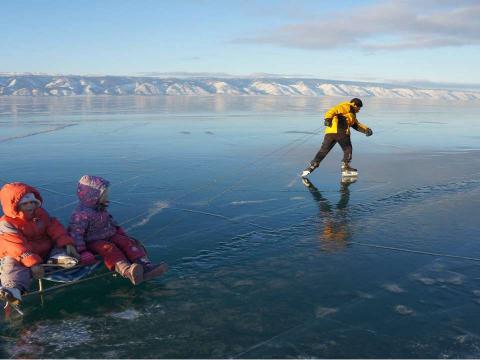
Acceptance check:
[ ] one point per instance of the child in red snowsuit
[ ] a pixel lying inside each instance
(95, 231)
(27, 236)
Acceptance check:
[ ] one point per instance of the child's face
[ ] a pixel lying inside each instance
(104, 198)
(28, 207)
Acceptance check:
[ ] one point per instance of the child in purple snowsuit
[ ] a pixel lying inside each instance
(95, 231)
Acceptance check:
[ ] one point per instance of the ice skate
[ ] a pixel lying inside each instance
(348, 171)
(308, 170)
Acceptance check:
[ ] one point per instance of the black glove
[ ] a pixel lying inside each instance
(369, 132)
(328, 122)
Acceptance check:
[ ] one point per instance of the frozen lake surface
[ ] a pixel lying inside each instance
(261, 265)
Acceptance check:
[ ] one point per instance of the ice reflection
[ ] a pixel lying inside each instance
(334, 231)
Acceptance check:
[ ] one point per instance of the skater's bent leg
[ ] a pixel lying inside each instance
(328, 143)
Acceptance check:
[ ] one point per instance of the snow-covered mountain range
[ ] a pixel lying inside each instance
(60, 85)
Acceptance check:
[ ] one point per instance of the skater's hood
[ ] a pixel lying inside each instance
(90, 189)
(12, 193)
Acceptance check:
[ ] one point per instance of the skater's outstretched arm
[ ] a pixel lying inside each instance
(364, 129)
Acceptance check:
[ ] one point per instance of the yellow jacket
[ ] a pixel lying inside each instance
(343, 117)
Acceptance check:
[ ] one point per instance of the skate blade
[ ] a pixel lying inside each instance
(349, 173)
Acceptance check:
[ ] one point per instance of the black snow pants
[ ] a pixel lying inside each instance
(329, 142)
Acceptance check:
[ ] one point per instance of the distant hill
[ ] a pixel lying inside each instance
(71, 85)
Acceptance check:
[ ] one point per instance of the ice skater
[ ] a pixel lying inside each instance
(338, 121)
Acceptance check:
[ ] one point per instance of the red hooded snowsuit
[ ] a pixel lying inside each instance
(26, 240)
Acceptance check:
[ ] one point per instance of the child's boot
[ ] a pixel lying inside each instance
(11, 295)
(150, 270)
(154, 270)
(133, 272)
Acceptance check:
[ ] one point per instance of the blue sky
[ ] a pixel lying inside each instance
(385, 41)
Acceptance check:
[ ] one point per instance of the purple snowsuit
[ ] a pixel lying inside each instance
(89, 221)
(93, 228)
